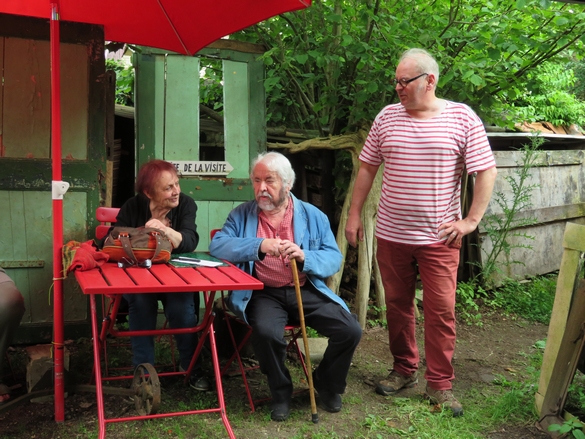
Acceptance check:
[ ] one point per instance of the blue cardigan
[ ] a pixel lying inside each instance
(237, 243)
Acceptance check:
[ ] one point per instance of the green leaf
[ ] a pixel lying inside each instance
(373, 87)
(302, 59)
(476, 80)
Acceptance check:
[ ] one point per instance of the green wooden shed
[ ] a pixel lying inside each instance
(166, 125)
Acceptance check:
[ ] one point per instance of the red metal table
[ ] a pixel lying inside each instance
(113, 281)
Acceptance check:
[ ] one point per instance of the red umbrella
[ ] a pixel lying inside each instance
(182, 26)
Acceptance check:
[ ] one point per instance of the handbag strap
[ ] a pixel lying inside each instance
(158, 238)
(124, 238)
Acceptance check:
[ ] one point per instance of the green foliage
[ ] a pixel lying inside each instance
(550, 97)
(572, 426)
(504, 229)
(578, 88)
(378, 316)
(469, 295)
(124, 81)
(576, 394)
(211, 85)
(329, 66)
(533, 300)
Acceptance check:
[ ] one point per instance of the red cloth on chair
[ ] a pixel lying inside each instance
(82, 256)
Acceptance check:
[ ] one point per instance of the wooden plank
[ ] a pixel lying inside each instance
(27, 93)
(149, 103)
(548, 214)
(574, 245)
(239, 46)
(236, 117)
(219, 211)
(74, 101)
(203, 227)
(574, 237)
(565, 363)
(38, 244)
(512, 159)
(181, 109)
(257, 105)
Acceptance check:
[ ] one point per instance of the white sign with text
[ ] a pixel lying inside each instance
(202, 168)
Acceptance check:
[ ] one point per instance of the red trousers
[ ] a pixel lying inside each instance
(437, 265)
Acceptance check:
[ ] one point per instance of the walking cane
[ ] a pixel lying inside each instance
(314, 414)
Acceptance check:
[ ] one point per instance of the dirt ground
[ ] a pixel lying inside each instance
(497, 348)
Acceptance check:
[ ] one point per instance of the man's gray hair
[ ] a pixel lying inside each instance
(276, 162)
(424, 60)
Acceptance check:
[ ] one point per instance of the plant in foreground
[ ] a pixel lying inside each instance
(572, 426)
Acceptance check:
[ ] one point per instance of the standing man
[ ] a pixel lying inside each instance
(262, 236)
(426, 144)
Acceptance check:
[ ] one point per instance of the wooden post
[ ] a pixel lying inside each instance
(366, 249)
(574, 245)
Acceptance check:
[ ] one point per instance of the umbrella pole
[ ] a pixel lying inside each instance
(58, 317)
(314, 414)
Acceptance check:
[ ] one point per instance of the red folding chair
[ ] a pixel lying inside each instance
(293, 332)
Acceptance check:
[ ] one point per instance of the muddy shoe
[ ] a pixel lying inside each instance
(446, 399)
(396, 382)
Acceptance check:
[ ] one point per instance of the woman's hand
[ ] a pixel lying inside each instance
(175, 237)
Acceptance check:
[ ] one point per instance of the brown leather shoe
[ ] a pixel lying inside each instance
(396, 382)
(446, 399)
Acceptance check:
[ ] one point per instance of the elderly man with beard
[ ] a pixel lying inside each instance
(262, 236)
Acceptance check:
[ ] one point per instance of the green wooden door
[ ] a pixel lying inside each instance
(25, 161)
(168, 124)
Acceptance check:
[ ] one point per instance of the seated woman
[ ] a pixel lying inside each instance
(11, 312)
(159, 203)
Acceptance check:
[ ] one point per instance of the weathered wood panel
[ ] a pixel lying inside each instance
(25, 169)
(558, 198)
(26, 249)
(237, 118)
(211, 215)
(28, 95)
(27, 98)
(181, 113)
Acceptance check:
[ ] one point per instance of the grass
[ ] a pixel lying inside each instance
(488, 406)
(506, 401)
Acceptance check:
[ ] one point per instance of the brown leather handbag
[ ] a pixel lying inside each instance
(141, 246)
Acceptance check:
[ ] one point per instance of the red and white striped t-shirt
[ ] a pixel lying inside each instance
(423, 165)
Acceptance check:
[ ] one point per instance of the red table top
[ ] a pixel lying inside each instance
(163, 278)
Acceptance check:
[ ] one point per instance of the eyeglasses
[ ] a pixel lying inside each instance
(404, 82)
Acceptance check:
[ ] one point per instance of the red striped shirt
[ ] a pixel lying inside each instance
(424, 161)
(275, 271)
